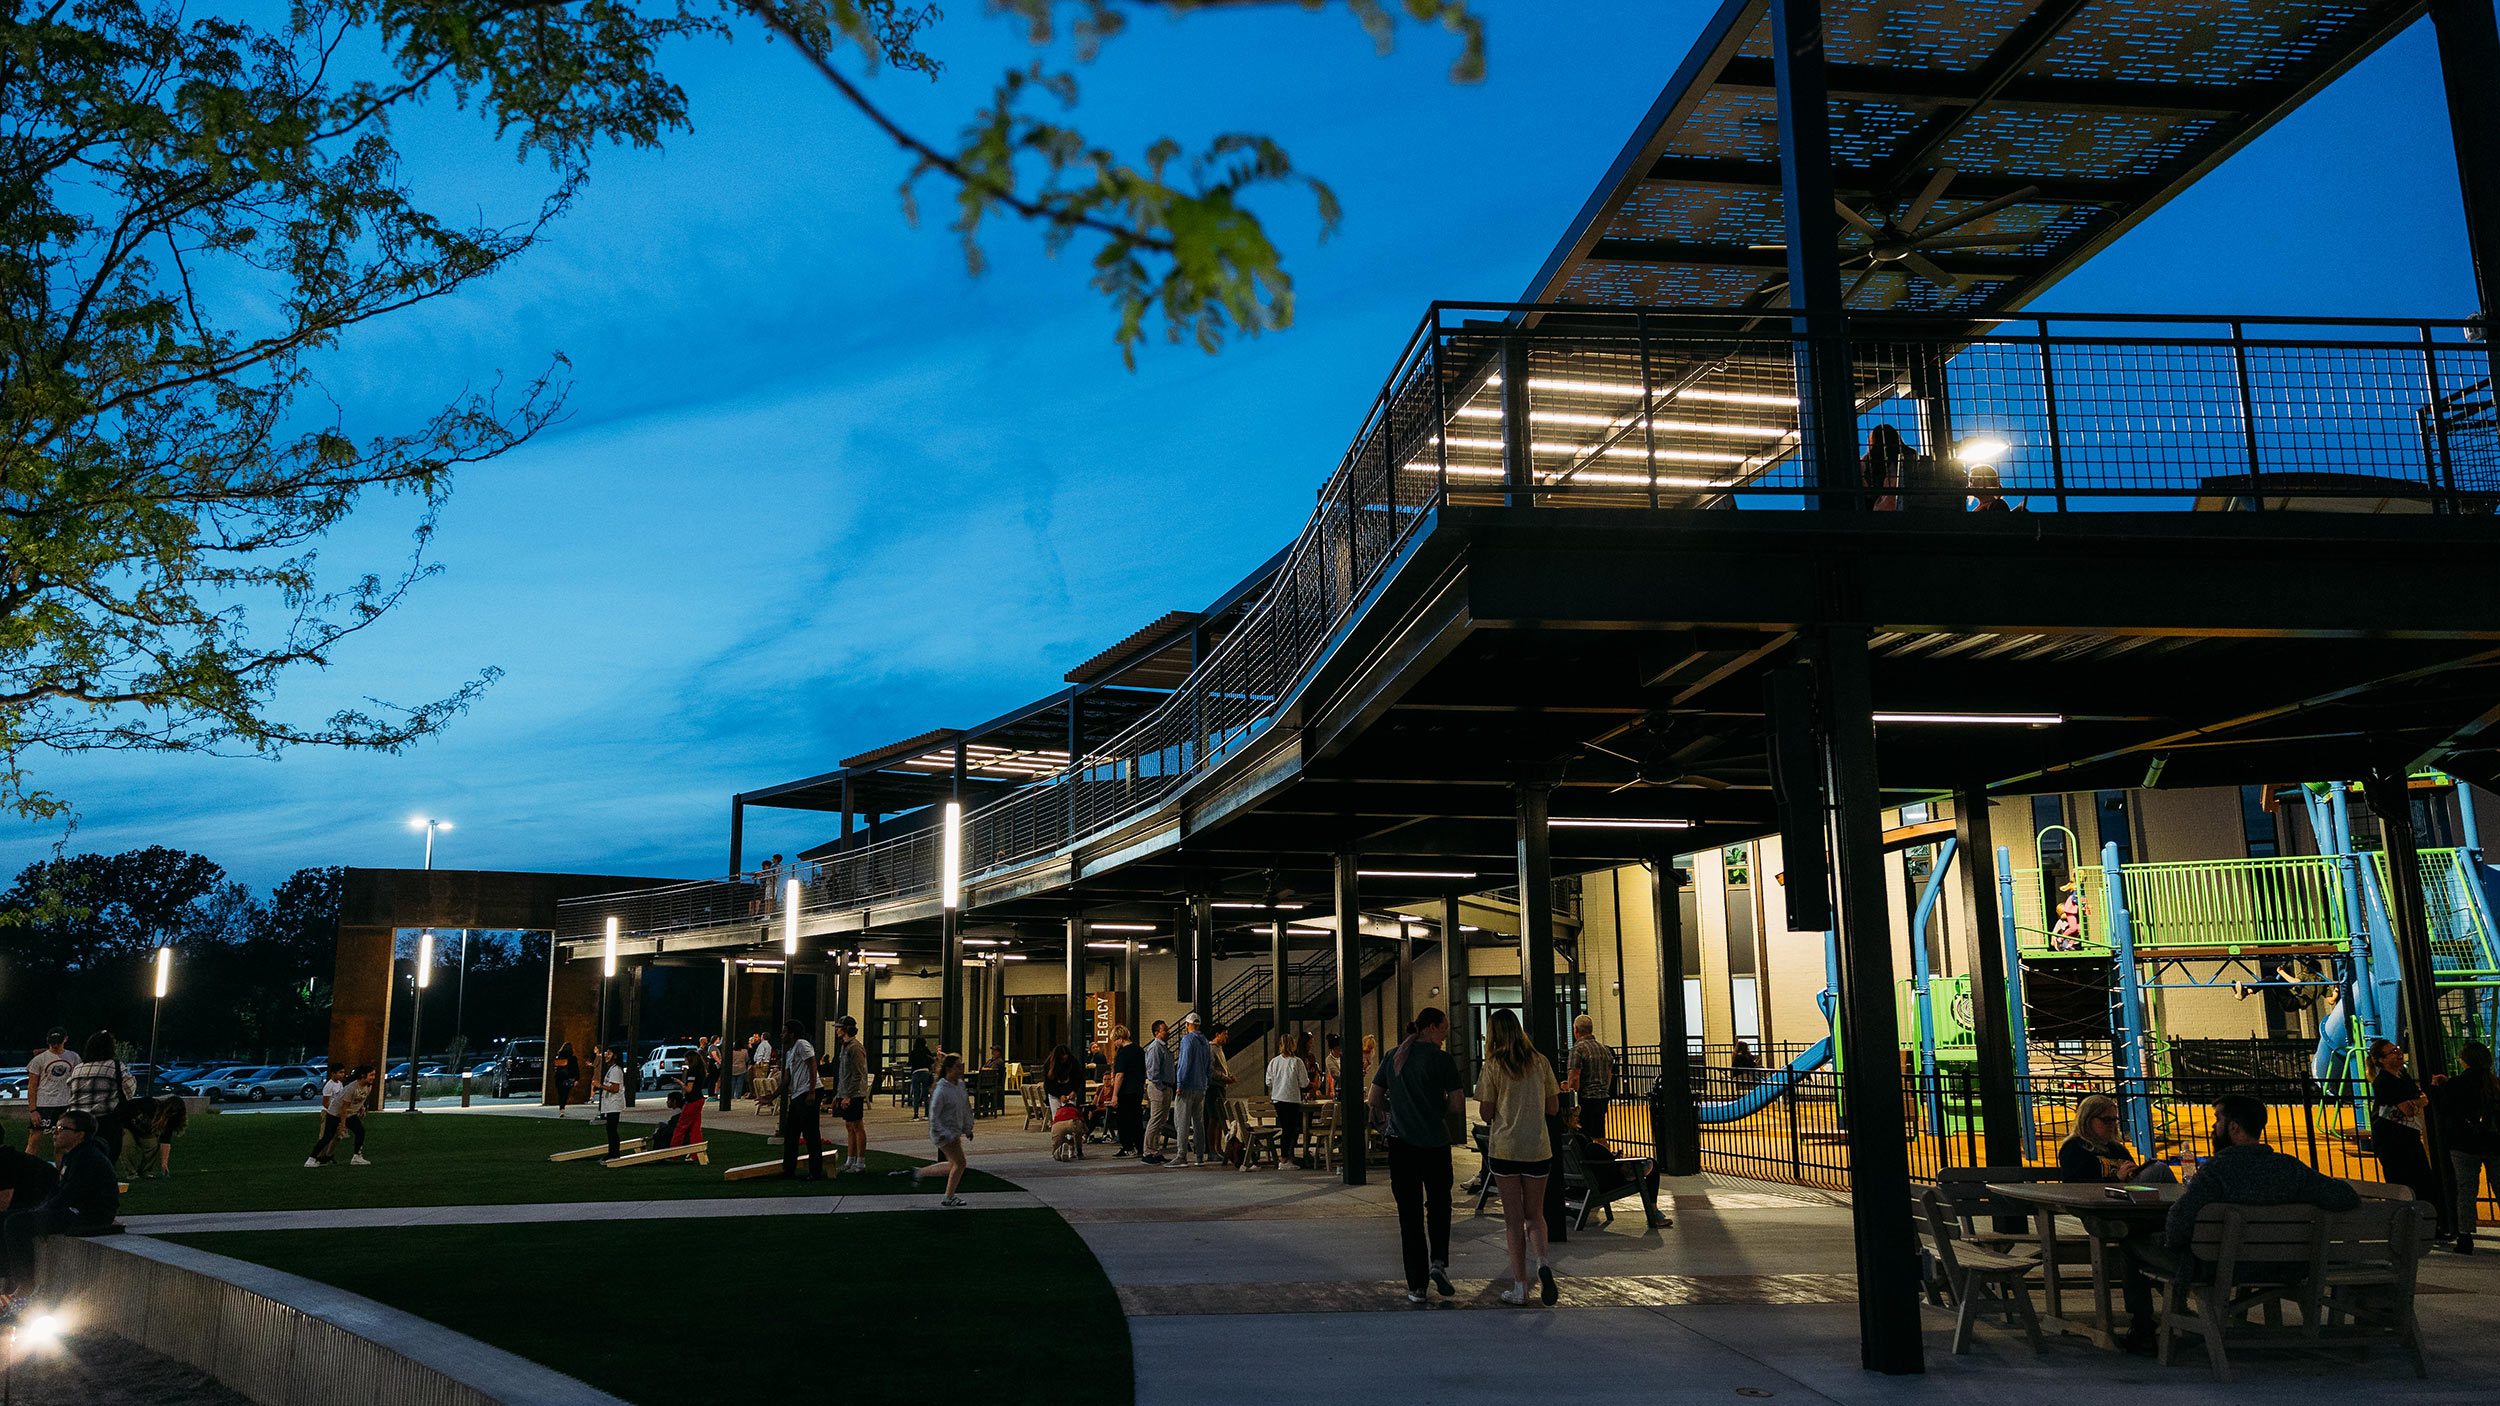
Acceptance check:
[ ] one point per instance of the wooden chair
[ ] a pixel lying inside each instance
(1980, 1278)
(2366, 1274)
(2242, 1258)
(1319, 1133)
(1036, 1107)
(1258, 1140)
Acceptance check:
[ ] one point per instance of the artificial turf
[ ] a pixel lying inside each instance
(942, 1306)
(255, 1162)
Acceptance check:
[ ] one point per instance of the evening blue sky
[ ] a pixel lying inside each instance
(821, 489)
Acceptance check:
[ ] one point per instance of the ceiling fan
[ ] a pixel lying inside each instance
(1907, 240)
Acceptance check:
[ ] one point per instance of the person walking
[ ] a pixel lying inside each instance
(332, 1088)
(738, 1058)
(1159, 1089)
(1518, 1094)
(2397, 1123)
(1128, 1091)
(47, 1086)
(2467, 1105)
(921, 1063)
(850, 1092)
(1592, 1080)
(100, 1085)
(950, 1127)
(1417, 1093)
(800, 1106)
(1288, 1080)
(565, 1072)
(353, 1102)
(1189, 1091)
(611, 1094)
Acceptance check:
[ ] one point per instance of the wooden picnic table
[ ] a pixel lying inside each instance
(2106, 1219)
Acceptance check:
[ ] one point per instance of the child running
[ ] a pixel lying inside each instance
(950, 1127)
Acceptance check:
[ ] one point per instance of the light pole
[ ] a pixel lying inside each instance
(429, 825)
(156, 1016)
(460, 997)
(607, 971)
(416, 1014)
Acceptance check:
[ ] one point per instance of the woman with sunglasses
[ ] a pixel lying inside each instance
(2095, 1151)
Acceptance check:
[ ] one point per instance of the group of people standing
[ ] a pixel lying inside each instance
(134, 1133)
(2461, 1110)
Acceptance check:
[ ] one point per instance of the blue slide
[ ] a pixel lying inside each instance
(1771, 1087)
(2334, 1037)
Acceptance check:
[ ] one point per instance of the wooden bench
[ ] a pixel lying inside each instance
(2366, 1274)
(1978, 1276)
(752, 1171)
(2243, 1258)
(601, 1151)
(699, 1153)
(1582, 1196)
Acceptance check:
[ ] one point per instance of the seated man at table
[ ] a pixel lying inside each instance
(2242, 1172)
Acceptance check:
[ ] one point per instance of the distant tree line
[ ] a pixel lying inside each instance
(251, 973)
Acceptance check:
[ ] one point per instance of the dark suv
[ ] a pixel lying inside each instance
(520, 1067)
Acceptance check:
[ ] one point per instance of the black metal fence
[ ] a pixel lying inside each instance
(1792, 1128)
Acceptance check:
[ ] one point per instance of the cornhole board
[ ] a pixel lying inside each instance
(751, 1171)
(579, 1153)
(698, 1153)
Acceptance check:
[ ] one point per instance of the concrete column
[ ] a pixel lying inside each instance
(1454, 977)
(360, 996)
(1350, 1086)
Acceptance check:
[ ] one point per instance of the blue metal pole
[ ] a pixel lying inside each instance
(1921, 977)
(2132, 1094)
(2014, 996)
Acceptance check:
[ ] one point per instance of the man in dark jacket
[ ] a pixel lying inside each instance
(87, 1198)
(2243, 1171)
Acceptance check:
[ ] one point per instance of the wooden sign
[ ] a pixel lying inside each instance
(1106, 1008)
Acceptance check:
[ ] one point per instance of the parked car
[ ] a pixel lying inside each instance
(666, 1063)
(12, 1086)
(521, 1068)
(262, 1084)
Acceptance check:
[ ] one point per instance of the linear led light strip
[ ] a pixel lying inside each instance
(1576, 822)
(1617, 451)
(1980, 719)
(1626, 422)
(1418, 466)
(1632, 390)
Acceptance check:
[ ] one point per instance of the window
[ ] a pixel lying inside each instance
(1738, 860)
(2114, 827)
(2257, 824)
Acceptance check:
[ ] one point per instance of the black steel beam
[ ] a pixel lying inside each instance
(1536, 919)
(2409, 915)
(1827, 410)
(1667, 251)
(1948, 88)
(2469, 67)
(1871, 1095)
(1279, 969)
(1079, 1033)
(1675, 1121)
(1864, 183)
(1454, 979)
(1991, 1009)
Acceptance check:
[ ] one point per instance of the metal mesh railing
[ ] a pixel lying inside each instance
(1684, 408)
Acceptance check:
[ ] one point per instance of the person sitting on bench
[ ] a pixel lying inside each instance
(24, 1180)
(86, 1200)
(2243, 1171)
(1606, 1174)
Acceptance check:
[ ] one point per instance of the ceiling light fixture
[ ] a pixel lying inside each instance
(1581, 822)
(1416, 873)
(1977, 719)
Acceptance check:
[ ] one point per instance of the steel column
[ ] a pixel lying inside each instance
(1826, 407)
(1454, 978)
(2409, 917)
(1879, 1157)
(1075, 980)
(1992, 997)
(1351, 1120)
(1675, 1121)
(2019, 1040)
(1279, 971)
(1518, 446)
(1536, 918)
(1184, 960)
(728, 1013)
(1406, 969)
(737, 833)
(2131, 1046)
(1202, 923)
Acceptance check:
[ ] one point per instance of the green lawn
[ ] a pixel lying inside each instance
(943, 1306)
(255, 1162)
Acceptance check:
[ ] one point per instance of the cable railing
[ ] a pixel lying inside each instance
(1572, 407)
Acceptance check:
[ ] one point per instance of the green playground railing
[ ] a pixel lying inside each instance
(2222, 907)
(2461, 941)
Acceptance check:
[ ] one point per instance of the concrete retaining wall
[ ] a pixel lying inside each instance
(284, 1340)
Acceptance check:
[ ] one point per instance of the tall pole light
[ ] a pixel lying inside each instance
(429, 825)
(789, 944)
(164, 982)
(951, 930)
(416, 1014)
(607, 973)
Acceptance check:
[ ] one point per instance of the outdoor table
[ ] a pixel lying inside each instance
(2107, 1219)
